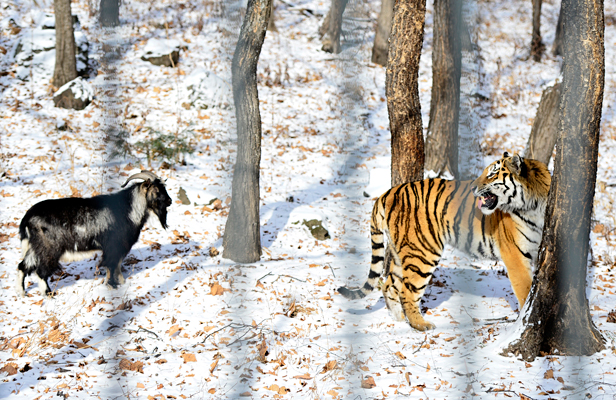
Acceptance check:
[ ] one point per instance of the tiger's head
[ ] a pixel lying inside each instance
(512, 184)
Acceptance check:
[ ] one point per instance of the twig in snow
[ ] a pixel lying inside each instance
(264, 276)
(422, 343)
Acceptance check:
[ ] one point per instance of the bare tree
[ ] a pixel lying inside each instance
(242, 240)
(109, 13)
(331, 28)
(536, 45)
(65, 69)
(271, 25)
(544, 132)
(442, 138)
(402, 90)
(556, 318)
(381, 36)
(557, 47)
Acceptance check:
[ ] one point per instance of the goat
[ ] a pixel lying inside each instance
(72, 229)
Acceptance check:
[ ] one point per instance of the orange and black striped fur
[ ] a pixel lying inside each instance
(416, 220)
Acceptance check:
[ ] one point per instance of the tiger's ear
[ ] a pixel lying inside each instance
(516, 163)
(506, 154)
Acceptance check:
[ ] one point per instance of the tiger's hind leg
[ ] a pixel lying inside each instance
(415, 279)
(391, 293)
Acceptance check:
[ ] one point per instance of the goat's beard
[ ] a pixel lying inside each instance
(161, 212)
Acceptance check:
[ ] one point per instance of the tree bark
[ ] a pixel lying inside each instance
(536, 45)
(402, 90)
(65, 69)
(442, 138)
(557, 47)
(381, 36)
(109, 13)
(242, 240)
(544, 132)
(271, 25)
(557, 318)
(332, 27)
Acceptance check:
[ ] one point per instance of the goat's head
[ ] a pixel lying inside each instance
(156, 195)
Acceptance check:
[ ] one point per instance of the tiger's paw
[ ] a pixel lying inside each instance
(422, 325)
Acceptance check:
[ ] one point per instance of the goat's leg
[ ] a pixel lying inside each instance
(113, 267)
(20, 286)
(43, 285)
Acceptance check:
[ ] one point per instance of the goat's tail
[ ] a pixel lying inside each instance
(378, 231)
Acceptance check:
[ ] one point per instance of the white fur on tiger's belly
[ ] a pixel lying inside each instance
(71, 256)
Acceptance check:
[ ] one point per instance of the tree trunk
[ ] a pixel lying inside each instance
(65, 69)
(536, 45)
(381, 36)
(557, 319)
(402, 90)
(242, 240)
(442, 138)
(544, 132)
(557, 47)
(271, 25)
(331, 35)
(110, 13)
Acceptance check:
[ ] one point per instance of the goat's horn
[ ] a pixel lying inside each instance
(142, 175)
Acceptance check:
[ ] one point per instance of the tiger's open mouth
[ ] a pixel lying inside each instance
(488, 200)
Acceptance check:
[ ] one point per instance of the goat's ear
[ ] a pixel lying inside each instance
(147, 184)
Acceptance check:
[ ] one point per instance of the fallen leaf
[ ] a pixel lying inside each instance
(329, 366)
(174, 329)
(368, 383)
(213, 366)
(9, 368)
(128, 365)
(216, 290)
(189, 357)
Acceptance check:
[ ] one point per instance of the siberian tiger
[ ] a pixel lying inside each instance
(420, 218)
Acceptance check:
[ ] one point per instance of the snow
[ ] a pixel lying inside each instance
(206, 89)
(160, 47)
(190, 324)
(80, 88)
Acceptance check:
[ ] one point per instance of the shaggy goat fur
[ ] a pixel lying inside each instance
(71, 229)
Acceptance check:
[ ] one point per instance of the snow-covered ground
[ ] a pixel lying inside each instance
(190, 324)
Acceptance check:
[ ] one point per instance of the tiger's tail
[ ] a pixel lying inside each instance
(378, 230)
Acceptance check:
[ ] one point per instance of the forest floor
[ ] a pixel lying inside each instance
(190, 324)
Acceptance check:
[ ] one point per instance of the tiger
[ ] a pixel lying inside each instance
(498, 216)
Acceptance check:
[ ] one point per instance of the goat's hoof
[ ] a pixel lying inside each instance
(113, 285)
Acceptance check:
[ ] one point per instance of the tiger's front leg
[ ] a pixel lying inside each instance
(519, 269)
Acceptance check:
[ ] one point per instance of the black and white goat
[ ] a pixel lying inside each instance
(72, 229)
